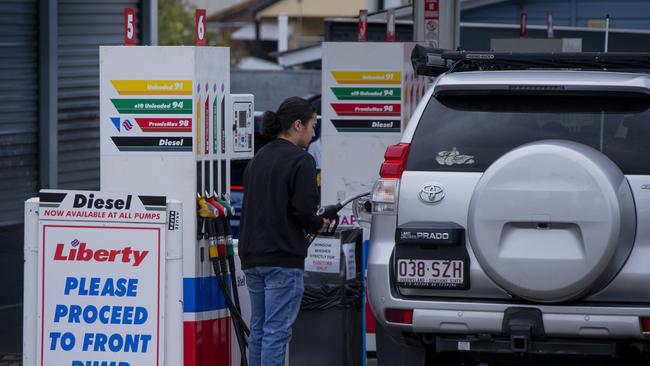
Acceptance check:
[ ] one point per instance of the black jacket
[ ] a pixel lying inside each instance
(280, 203)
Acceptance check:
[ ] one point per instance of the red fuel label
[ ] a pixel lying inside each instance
(165, 124)
(367, 109)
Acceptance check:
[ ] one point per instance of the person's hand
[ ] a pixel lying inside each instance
(326, 224)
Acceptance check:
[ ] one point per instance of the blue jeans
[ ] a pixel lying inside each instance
(275, 301)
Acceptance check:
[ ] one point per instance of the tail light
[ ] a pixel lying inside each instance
(394, 161)
(384, 192)
(645, 325)
(384, 196)
(401, 316)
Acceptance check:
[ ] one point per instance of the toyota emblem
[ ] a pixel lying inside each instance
(432, 193)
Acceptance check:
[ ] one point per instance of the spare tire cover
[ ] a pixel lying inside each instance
(552, 221)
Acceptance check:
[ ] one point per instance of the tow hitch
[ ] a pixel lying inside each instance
(522, 324)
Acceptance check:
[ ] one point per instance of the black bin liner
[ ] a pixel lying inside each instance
(327, 296)
(329, 328)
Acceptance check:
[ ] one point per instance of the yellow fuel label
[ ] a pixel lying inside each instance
(367, 77)
(153, 87)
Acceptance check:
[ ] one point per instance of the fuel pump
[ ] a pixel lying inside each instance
(179, 124)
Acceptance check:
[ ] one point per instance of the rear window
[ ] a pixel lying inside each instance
(467, 133)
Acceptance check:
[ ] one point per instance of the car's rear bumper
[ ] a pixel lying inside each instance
(462, 316)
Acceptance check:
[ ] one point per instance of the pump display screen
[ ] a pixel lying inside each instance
(242, 119)
(242, 140)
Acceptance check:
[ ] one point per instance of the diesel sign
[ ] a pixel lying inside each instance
(171, 142)
(152, 143)
(83, 201)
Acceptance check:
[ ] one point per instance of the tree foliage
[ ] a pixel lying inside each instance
(175, 23)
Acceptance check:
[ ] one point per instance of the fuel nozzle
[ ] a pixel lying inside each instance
(220, 210)
(204, 214)
(224, 213)
(204, 211)
(209, 215)
(225, 202)
(330, 212)
(227, 225)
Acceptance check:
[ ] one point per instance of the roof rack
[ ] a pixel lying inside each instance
(433, 62)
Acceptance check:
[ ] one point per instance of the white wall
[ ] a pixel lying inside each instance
(212, 6)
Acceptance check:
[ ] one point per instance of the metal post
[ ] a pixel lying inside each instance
(607, 33)
(257, 46)
(449, 24)
(390, 4)
(372, 5)
(418, 20)
(48, 115)
(283, 32)
(149, 22)
(574, 12)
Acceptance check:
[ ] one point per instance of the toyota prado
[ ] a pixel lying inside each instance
(512, 219)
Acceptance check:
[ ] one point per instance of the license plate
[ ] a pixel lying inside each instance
(431, 272)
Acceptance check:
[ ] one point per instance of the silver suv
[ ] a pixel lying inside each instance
(513, 218)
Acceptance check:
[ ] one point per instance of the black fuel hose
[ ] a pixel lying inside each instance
(216, 234)
(222, 273)
(242, 343)
(230, 251)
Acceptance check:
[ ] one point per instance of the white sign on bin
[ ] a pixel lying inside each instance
(350, 261)
(101, 295)
(324, 255)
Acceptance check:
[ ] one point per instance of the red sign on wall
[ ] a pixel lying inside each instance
(200, 24)
(432, 9)
(522, 24)
(363, 25)
(129, 27)
(432, 21)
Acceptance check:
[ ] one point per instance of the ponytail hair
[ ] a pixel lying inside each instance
(292, 109)
(270, 124)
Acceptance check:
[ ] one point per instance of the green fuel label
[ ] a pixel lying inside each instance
(367, 93)
(163, 106)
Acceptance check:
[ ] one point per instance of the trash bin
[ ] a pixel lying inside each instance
(329, 328)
